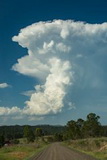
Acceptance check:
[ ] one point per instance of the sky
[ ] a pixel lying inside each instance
(53, 60)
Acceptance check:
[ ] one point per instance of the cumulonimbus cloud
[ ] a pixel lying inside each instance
(55, 49)
(52, 50)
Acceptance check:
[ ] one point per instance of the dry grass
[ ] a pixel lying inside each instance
(18, 155)
(93, 146)
(21, 151)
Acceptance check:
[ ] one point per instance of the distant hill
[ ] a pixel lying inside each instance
(16, 131)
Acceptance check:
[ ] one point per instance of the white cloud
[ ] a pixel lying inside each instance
(79, 56)
(17, 117)
(63, 48)
(4, 85)
(34, 118)
(9, 111)
(57, 50)
(31, 66)
(71, 106)
(28, 93)
(53, 48)
(50, 99)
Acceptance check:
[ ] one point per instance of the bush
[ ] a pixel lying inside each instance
(16, 141)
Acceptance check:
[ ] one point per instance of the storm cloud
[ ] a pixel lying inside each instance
(59, 53)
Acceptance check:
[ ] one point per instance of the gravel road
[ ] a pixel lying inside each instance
(58, 152)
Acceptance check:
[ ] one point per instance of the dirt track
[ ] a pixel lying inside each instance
(58, 152)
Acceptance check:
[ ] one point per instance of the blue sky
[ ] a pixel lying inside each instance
(75, 84)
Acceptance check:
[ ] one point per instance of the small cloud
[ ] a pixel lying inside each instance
(28, 93)
(18, 117)
(4, 85)
(9, 111)
(79, 56)
(71, 106)
(34, 118)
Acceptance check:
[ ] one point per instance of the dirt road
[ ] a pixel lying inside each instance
(58, 152)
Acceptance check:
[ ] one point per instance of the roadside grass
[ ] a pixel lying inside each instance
(97, 147)
(21, 151)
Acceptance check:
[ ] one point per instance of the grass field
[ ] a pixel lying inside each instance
(21, 151)
(97, 147)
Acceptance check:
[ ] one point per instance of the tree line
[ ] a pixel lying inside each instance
(91, 127)
(79, 129)
(13, 133)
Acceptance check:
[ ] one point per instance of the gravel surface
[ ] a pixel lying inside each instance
(58, 152)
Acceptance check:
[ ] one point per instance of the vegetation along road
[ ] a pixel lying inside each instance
(58, 152)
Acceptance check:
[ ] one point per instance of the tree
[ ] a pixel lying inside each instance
(28, 134)
(93, 117)
(80, 124)
(38, 132)
(1, 140)
(73, 131)
(58, 137)
(16, 141)
(92, 126)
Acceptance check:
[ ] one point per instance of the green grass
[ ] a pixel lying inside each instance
(21, 151)
(97, 147)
